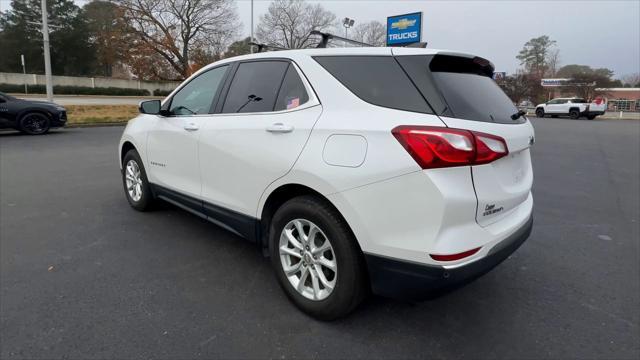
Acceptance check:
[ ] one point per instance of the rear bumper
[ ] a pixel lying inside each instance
(408, 280)
(592, 113)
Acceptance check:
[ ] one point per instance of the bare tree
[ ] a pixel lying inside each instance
(518, 87)
(372, 32)
(174, 29)
(288, 23)
(553, 61)
(631, 80)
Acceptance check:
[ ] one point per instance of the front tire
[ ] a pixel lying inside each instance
(316, 258)
(574, 114)
(540, 113)
(135, 182)
(34, 124)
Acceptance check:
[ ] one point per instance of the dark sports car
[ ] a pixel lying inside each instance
(30, 117)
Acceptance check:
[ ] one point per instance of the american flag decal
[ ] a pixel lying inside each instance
(293, 103)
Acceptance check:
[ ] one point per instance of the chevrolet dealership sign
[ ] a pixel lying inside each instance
(404, 29)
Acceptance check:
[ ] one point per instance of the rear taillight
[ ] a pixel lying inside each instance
(437, 147)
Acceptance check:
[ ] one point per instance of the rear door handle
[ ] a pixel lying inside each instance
(279, 128)
(191, 126)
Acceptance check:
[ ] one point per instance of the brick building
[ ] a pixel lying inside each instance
(618, 99)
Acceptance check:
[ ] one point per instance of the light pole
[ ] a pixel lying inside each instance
(251, 46)
(24, 74)
(347, 23)
(47, 54)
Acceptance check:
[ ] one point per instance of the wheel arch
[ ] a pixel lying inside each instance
(278, 197)
(24, 112)
(124, 149)
(574, 108)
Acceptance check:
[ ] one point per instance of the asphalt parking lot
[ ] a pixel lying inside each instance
(82, 275)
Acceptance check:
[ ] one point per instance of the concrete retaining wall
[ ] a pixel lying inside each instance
(33, 79)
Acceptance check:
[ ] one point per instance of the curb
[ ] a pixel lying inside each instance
(89, 125)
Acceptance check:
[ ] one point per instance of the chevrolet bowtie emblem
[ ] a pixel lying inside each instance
(402, 24)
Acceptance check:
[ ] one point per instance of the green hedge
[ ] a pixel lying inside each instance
(158, 92)
(74, 90)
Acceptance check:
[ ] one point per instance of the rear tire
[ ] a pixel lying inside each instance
(591, 117)
(34, 123)
(135, 182)
(540, 113)
(574, 114)
(325, 294)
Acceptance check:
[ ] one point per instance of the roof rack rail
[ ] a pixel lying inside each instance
(266, 47)
(326, 37)
(417, 45)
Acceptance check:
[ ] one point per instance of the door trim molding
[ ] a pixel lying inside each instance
(240, 224)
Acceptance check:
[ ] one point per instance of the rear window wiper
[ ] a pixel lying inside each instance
(519, 114)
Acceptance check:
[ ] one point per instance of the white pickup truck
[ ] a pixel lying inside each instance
(572, 107)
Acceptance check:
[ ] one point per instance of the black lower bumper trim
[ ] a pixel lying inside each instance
(406, 280)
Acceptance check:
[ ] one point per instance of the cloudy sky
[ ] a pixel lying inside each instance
(599, 33)
(596, 33)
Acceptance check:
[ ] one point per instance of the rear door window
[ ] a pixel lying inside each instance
(292, 92)
(255, 87)
(378, 80)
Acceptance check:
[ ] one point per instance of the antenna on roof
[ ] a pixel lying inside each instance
(326, 37)
(266, 47)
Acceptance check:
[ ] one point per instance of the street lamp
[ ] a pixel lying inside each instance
(347, 23)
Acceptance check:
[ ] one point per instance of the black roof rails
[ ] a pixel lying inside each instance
(417, 45)
(326, 37)
(266, 47)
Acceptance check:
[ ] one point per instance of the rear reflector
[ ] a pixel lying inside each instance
(437, 147)
(454, 257)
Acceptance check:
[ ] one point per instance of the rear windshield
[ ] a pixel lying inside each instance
(460, 87)
(378, 80)
(452, 86)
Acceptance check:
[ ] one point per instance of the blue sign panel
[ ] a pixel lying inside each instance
(404, 29)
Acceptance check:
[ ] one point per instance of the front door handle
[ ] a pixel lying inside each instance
(191, 126)
(279, 128)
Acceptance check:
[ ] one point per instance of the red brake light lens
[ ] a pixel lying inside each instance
(454, 257)
(437, 147)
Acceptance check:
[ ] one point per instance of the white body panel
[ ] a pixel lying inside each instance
(394, 208)
(239, 157)
(172, 153)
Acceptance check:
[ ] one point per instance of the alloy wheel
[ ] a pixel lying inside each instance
(133, 180)
(34, 124)
(308, 259)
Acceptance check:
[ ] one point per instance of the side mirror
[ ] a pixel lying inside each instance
(151, 107)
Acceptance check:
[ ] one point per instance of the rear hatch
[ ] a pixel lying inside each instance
(599, 104)
(461, 91)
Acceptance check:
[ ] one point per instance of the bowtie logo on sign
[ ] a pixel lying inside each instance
(404, 29)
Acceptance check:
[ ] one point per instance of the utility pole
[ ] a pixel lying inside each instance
(47, 54)
(24, 74)
(251, 46)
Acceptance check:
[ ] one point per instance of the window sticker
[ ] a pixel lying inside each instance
(293, 103)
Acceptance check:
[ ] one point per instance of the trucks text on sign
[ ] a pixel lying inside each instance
(404, 29)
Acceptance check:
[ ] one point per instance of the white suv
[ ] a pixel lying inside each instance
(572, 107)
(401, 171)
